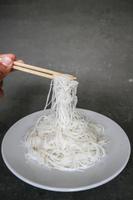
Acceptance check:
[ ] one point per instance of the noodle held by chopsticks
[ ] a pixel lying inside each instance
(63, 138)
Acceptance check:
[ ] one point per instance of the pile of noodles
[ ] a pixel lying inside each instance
(63, 138)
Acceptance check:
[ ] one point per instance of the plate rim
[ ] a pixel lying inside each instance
(63, 189)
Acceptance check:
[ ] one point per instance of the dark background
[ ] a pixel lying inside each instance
(91, 39)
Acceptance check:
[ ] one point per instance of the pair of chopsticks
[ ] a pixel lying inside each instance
(37, 70)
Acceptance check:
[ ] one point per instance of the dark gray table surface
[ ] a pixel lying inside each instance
(91, 39)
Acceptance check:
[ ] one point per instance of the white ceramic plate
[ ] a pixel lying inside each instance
(118, 152)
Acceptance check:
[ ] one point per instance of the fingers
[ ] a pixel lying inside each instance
(7, 59)
(4, 71)
(12, 56)
(6, 63)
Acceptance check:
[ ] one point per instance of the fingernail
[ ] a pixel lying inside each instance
(6, 61)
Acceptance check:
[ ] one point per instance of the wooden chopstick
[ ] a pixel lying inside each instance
(39, 69)
(33, 72)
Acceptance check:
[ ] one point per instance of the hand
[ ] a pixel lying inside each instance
(6, 63)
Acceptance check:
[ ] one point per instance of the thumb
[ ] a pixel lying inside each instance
(6, 61)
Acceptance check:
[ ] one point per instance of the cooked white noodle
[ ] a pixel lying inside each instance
(63, 138)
